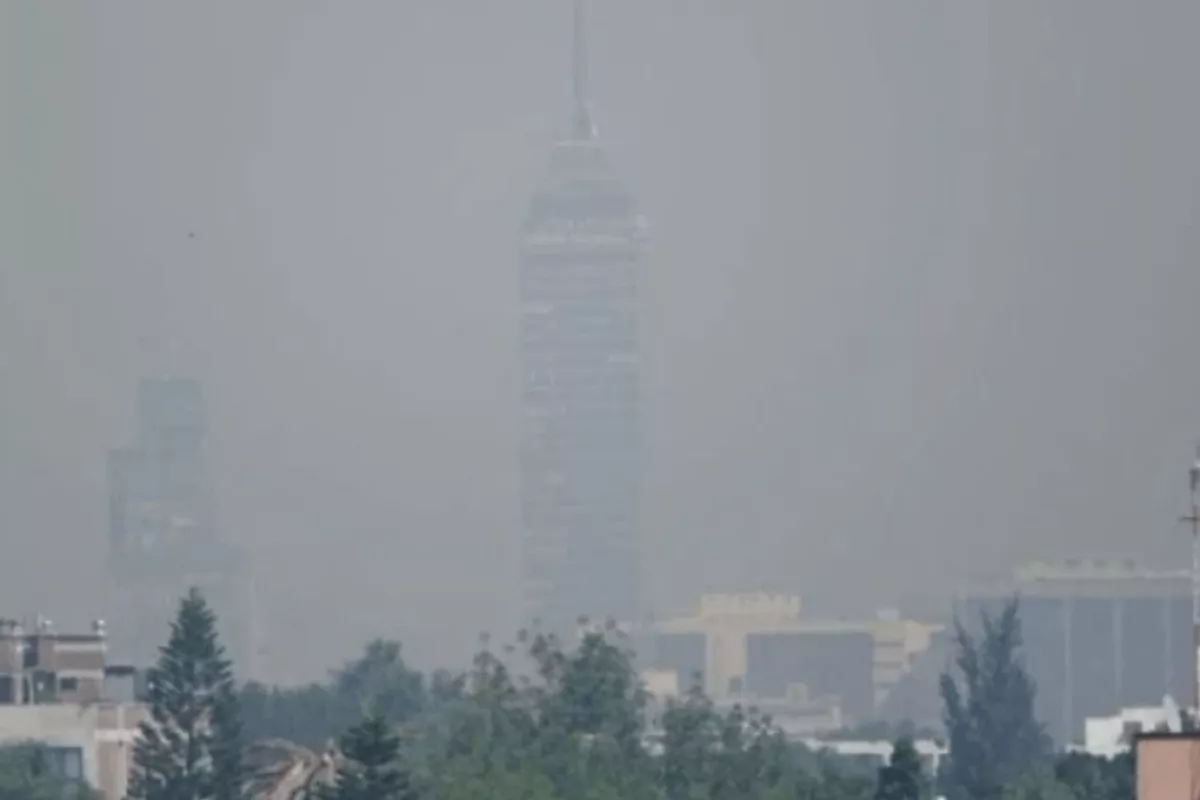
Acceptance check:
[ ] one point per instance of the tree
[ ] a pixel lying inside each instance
(590, 709)
(1095, 777)
(691, 731)
(1040, 785)
(372, 770)
(902, 778)
(994, 736)
(26, 774)
(473, 746)
(311, 715)
(191, 747)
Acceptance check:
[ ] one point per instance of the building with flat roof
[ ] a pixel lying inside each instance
(1100, 634)
(58, 691)
(760, 648)
(1108, 737)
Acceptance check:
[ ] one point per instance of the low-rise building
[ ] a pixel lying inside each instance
(875, 753)
(1111, 736)
(759, 649)
(58, 691)
(1168, 765)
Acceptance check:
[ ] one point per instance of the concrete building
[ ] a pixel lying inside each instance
(1168, 766)
(1099, 635)
(58, 691)
(876, 753)
(1110, 736)
(41, 666)
(815, 674)
(580, 440)
(164, 535)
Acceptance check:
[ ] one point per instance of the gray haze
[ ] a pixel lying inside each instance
(922, 288)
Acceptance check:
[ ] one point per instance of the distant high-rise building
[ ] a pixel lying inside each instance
(580, 428)
(163, 532)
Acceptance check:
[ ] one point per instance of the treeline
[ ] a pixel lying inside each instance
(539, 721)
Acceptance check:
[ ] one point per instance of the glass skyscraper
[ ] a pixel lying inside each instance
(580, 436)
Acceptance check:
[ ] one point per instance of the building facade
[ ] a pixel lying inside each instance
(1099, 635)
(59, 691)
(759, 649)
(164, 536)
(580, 427)
(1168, 766)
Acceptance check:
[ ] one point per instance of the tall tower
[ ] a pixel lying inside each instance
(580, 437)
(164, 537)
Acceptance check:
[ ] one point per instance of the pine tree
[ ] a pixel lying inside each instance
(191, 747)
(373, 770)
(994, 736)
(901, 779)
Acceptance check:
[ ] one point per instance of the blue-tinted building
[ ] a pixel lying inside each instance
(164, 537)
(1099, 636)
(580, 431)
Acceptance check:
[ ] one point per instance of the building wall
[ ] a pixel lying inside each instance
(1168, 767)
(835, 664)
(43, 666)
(877, 753)
(683, 653)
(580, 436)
(761, 645)
(1098, 641)
(104, 735)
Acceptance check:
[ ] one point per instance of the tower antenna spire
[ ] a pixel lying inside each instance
(581, 112)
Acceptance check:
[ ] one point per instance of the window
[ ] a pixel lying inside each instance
(68, 684)
(65, 762)
(29, 653)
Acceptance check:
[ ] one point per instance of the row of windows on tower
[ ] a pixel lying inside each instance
(561, 532)
(613, 355)
(610, 504)
(580, 206)
(602, 268)
(584, 410)
(577, 374)
(546, 570)
(590, 316)
(543, 433)
(611, 456)
(552, 308)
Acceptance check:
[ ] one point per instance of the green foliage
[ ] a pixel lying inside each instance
(1094, 778)
(1038, 786)
(902, 778)
(25, 774)
(192, 745)
(540, 722)
(994, 737)
(378, 681)
(373, 770)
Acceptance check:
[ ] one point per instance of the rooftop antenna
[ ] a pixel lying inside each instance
(581, 112)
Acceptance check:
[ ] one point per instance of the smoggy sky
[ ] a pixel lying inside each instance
(920, 303)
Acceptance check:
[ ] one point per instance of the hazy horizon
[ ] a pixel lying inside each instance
(919, 290)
